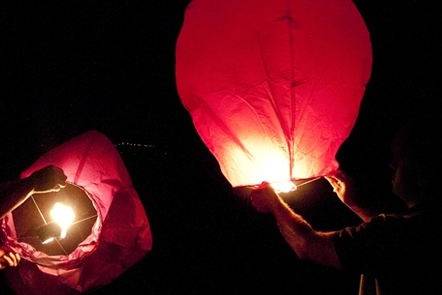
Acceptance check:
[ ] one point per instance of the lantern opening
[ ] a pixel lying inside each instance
(56, 223)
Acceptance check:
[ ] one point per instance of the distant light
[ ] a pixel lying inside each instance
(136, 145)
(64, 216)
(283, 186)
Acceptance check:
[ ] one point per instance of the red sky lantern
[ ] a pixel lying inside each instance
(273, 87)
(108, 232)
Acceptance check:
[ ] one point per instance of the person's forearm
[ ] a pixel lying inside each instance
(13, 195)
(302, 238)
(293, 227)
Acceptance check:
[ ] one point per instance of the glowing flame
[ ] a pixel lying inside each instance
(64, 216)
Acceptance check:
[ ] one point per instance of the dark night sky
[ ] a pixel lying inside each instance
(109, 66)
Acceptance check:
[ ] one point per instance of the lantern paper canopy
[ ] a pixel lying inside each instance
(273, 87)
(110, 230)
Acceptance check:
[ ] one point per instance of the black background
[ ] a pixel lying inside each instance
(70, 67)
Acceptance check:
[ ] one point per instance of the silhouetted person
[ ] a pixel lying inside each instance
(402, 251)
(13, 194)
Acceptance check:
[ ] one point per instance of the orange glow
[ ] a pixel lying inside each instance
(283, 187)
(265, 161)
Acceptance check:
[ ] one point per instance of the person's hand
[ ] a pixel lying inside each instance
(263, 197)
(346, 190)
(8, 259)
(339, 187)
(343, 186)
(48, 179)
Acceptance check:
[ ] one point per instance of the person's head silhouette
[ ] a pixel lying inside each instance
(416, 161)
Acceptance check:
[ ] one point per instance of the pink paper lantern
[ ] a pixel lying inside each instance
(273, 87)
(119, 237)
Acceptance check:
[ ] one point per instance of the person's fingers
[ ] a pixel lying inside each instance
(266, 188)
(262, 197)
(18, 257)
(334, 182)
(262, 188)
(265, 191)
(13, 258)
(331, 178)
(56, 188)
(8, 260)
(263, 185)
